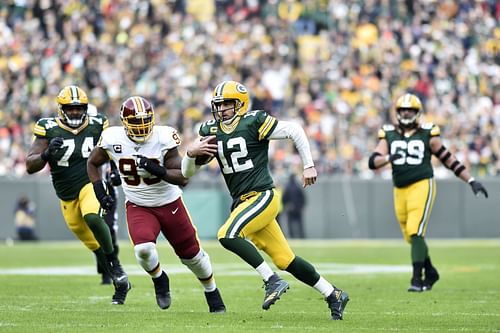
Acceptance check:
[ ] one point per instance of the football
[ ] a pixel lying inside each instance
(205, 159)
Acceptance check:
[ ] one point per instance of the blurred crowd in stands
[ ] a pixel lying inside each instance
(333, 66)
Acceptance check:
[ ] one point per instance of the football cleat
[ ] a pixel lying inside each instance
(162, 291)
(275, 287)
(121, 291)
(337, 302)
(215, 303)
(415, 285)
(430, 278)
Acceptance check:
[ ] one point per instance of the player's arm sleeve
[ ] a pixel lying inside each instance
(291, 130)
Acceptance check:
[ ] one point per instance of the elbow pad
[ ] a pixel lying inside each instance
(371, 160)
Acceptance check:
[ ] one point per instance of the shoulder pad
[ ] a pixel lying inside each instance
(427, 126)
(43, 125)
(208, 128)
(168, 136)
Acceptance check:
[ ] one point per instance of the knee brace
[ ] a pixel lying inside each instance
(147, 256)
(200, 265)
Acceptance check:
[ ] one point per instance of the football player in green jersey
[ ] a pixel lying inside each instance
(242, 153)
(408, 147)
(65, 142)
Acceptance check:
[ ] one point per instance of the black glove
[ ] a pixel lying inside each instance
(54, 145)
(114, 175)
(150, 166)
(107, 202)
(394, 157)
(477, 188)
(114, 178)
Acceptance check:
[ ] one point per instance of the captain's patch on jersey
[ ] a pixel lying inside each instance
(117, 149)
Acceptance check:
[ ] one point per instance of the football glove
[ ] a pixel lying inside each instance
(54, 145)
(150, 166)
(477, 188)
(114, 175)
(394, 157)
(107, 202)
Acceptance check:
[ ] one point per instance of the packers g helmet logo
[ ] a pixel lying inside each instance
(241, 88)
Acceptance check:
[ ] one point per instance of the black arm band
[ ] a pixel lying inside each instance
(459, 170)
(440, 151)
(445, 157)
(99, 190)
(45, 155)
(371, 160)
(157, 170)
(454, 165)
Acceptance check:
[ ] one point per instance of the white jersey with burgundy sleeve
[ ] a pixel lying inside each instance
(140, 187)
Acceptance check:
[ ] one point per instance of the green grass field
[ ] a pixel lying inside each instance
(53, 287)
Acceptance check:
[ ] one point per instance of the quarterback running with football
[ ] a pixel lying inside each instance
(242, 153)
(149, 163)
(408, 147)
(65, 142)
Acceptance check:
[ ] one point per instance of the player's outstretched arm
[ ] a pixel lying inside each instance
(293, 131)
(450, 161)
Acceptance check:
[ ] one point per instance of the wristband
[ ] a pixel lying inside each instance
(471, 179)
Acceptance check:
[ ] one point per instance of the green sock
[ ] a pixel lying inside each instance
(101, 231)
(419, 250)
(303, 271)
(102, 260)
(244, 249)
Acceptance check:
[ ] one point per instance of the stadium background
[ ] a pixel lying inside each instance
(333, 66)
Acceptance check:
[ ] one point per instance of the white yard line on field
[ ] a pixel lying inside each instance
(221, 269)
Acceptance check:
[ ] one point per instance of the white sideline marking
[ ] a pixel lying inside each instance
(219, 269)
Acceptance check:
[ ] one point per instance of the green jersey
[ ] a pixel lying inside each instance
(68, 167)
(243, 153)
(415, 163)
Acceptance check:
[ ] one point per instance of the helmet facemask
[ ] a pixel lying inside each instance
(411, 119)
(408, 109)
(72, 104)
(73, 115)
(218, 112)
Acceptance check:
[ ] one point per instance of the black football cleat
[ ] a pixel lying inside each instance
(415, 286)
(162, 291)
(120, 281)
(337, 302)
(430, 278)
(275, 287)
(121, 291)
(215, 303)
